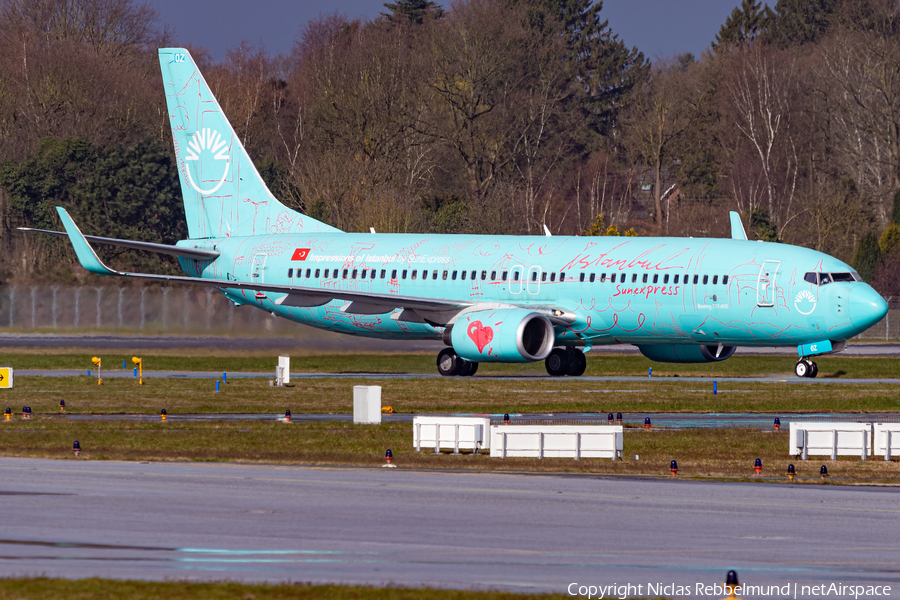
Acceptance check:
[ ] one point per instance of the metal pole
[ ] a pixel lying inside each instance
(834, 445)
(503, 455)
(437, 438)
(577, 445)
(887, 445)
(865, 444)
(541, 445)
(456, 439)
(804, 439)
(418, 437)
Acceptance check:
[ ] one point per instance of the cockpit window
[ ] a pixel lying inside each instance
(839, 277)
(811, 278)
(826, 278)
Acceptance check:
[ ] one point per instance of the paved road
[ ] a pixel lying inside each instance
(129, 374)
(447, 529)
(326, 341)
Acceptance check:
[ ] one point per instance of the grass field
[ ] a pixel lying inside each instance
(89, 589)
(701, 453)
(598, 364)
(442, 395)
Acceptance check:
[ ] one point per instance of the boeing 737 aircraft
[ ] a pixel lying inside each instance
(489, 298)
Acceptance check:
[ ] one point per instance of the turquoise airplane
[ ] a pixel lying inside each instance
(489, 298)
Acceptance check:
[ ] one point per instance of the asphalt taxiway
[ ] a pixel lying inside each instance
(70, 518)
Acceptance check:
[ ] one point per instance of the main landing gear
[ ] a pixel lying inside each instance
(806, 368)
(566, 361)
(449, 364)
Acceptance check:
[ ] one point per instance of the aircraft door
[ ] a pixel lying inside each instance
(257, 270)
(534, 280)
(516, 277)
(765, 285)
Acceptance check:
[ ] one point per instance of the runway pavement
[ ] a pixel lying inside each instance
(70, 518)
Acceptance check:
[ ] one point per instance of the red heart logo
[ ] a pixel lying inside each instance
(479, 334)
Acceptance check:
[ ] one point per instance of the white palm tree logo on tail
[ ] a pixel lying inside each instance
(207, 139)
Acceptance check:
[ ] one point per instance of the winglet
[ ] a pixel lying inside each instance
(86, 255)
(737, 228)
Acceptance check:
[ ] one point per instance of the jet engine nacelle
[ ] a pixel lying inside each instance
(503, 335)
(678, 353)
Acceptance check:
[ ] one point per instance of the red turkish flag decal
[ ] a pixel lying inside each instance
(300, 254)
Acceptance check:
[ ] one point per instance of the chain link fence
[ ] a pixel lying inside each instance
(174, 310)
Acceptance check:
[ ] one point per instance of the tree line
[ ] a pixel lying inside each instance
(476, 116)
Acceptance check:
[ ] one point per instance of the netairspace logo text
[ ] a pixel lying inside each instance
(789, 590)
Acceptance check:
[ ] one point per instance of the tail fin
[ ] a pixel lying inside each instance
(224, 196)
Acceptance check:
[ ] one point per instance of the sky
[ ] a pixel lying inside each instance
(659, 28)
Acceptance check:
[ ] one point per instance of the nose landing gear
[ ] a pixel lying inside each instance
(806, 368)
(449, 364)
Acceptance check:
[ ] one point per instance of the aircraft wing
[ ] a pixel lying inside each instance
(366, 302)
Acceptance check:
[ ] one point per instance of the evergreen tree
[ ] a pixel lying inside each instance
(745, 23)
(414, 10)
(796, 22)
(868, 253)
(605, 70)
(762, 225)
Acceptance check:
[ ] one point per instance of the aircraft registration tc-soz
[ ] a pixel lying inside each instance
(489, 298)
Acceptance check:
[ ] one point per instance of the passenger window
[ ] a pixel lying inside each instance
(534, 276)
(383, 273)
(474, 275)
(364, 273)
(394, 274)
(453, 275)
(346, 272)
(655, 278)
(483, 275)
(602, 277)
(705, 279)
(434, 274)
(696, 279)
(353, 276)
(414, 273)
(544, 276)
(724, 279)
(552, 276)
(445, 275)
(592, 277)
(515, 275)
(493, 275)
(666, 279)
(404, 273)
(562, 277)
(644, 278)
(715, 279)
(318, 272)
(464, 275)
(634, 278)
(612, 278)
(581, 278)
(503, 276)
(290, 273)
(675, 280)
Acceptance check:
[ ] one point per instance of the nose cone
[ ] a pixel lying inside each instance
(867, 307)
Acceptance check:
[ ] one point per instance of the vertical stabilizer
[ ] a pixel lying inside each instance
(224, 196)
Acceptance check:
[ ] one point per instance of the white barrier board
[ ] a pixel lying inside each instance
(883, 432)
(283, 370)
(553, 441)
(463, 433)
(820, 438)
(367, 404)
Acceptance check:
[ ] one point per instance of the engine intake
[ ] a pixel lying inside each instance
(503, 335)
(684, 353)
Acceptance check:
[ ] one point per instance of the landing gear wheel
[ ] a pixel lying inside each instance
(813, 371)
(577, 362)
(557, 363)
(468, 369)
(448, 363)
(802, 368)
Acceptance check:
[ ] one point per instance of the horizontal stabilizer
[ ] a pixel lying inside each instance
(194, 253)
